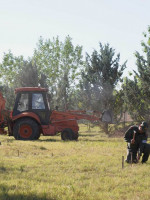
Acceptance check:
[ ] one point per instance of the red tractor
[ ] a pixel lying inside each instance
(32, 117)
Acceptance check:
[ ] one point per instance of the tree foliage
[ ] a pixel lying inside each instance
(137, 91)
(100, 77)
(132, 99)
(17, 72)
(61, 62)
(10, 67)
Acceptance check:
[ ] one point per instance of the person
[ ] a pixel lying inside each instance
(135, 137)
(144, 151)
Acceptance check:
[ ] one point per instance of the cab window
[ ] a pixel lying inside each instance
(23, 103)
(37, 101)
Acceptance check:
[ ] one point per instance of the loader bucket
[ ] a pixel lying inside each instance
(107, 117)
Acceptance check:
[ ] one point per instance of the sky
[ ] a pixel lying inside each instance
(120, 23)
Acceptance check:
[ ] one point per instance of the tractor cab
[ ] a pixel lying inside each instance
(32, 100)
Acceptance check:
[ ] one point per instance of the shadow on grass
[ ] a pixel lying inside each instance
(87, 140)
(2, 169)
(58, 140)
(23, 197)
(83, 139)
(88, 135)
(4, 190)
(48, 140)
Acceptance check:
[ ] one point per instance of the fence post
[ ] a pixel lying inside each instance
(122, 162)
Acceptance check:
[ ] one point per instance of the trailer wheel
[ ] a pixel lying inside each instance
(26, 129)
(67, 134)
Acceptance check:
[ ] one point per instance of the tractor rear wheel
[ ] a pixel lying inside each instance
(26, 129)
(37, 136)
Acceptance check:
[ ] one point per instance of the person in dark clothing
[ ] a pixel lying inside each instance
(135, 137)
(144, 151)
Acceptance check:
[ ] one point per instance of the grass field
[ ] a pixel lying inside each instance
(87, 169)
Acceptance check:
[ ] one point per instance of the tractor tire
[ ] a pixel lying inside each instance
(37, 136)
(76, 135)
(67, 134)
(26, 129)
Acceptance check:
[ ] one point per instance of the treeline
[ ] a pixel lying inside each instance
(81, 82)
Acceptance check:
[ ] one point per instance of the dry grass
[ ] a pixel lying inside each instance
(87, 169)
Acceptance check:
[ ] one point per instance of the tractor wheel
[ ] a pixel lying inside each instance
(26, 129)
(76, 135)
(37, 136)
(67, 134)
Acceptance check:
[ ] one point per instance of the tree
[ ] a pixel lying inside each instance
(11, 66)
(61, 63)
(8, 94)
(29, 76)
(132, 98)
(17, 72)
(137, 91)
(100, 77)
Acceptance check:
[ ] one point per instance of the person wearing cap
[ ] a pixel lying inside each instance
(134, 137)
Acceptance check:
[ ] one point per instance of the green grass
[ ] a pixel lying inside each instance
(89, 169)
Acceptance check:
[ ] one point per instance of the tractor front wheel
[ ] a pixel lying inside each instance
(76, 135)
(68, 134)
(26, 129)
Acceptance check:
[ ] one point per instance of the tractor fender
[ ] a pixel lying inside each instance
(26, 114)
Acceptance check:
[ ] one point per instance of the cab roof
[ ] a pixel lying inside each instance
(31, 89)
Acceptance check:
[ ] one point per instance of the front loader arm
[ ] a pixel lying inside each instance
(72, 115)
